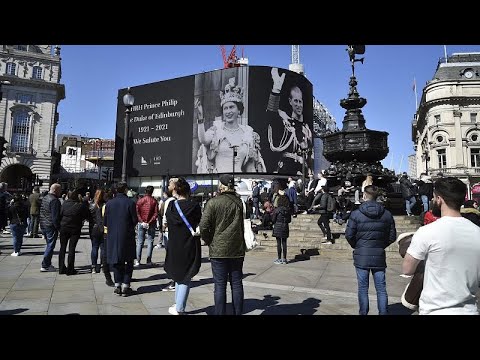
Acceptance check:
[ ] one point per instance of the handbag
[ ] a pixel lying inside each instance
(248, 234)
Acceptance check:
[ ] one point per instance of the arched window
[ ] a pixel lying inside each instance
(21, 132)
(37, 72)
(11, 66)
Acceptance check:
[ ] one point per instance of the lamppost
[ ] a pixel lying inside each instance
(426, 156)
(210, 171)
(304, 154)
(128, 101)
(234, 147)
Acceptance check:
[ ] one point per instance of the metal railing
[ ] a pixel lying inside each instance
(456, 171)
(19, 149)
(100, 154)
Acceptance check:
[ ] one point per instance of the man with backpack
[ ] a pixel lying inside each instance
(326, 207)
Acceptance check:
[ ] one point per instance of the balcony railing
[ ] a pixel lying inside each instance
(456, 171)
(19, 149)
(100, 154)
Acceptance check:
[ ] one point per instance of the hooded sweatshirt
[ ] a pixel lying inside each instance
(370, 229)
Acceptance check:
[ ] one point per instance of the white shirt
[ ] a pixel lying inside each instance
(321, 182)
(450, 247)
(164, 218)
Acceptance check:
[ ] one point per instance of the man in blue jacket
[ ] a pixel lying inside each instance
(370, 229)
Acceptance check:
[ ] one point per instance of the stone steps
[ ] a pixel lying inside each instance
(306, 238)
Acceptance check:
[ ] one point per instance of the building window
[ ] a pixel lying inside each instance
(25, 98)
(475, 157)
(22, 47)
(475, 137)
(11, 68)
(37, 72)
(21, 132)
(442, 158)
(437, 119)
(473, 117)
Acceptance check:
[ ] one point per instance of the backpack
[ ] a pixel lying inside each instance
(331, 204)
(99, 229)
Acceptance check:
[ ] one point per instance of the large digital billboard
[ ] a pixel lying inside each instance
(249, 120)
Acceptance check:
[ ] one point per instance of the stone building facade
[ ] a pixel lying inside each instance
(445, 129)
(30, 82)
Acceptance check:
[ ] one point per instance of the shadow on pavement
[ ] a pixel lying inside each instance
(305, 255)
(308, 306)
(150, 278)
(12, 312)
(249, 305)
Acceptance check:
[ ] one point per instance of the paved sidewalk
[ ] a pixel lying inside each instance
(310, 287)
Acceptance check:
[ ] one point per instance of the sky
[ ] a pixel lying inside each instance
(92, 76)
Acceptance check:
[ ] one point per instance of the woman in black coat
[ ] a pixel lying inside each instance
(72, 215)
(183, 258)
(281, 218)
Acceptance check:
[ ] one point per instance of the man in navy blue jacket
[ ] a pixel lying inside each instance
(370, 229)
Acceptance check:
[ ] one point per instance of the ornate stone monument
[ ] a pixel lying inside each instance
(356, 151)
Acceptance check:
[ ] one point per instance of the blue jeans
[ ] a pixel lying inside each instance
(380, 286)
(223, 270)
(182, 289)
(408, 204)
(17, 234)
(425, 202)
(51, 235)
(141, 240)
(97, 242)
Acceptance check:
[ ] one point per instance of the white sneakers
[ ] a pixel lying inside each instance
(50, 268)
(172, 310)
(15, 253)
(136, 263)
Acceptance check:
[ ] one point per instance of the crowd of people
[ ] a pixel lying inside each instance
(446, 249)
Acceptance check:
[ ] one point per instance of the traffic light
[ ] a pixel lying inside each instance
(3, 148)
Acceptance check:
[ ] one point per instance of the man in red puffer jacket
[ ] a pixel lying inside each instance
(147, 213)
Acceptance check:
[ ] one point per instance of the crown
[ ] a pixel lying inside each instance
(232, 93)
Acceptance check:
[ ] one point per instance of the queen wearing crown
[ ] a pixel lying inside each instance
(227, 135)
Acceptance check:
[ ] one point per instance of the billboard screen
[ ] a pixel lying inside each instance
(244, 119)
(158, 142)
(281, 112)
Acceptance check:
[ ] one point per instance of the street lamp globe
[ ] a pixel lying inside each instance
(128, 99)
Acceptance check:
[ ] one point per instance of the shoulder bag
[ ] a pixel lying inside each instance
(248, 234)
